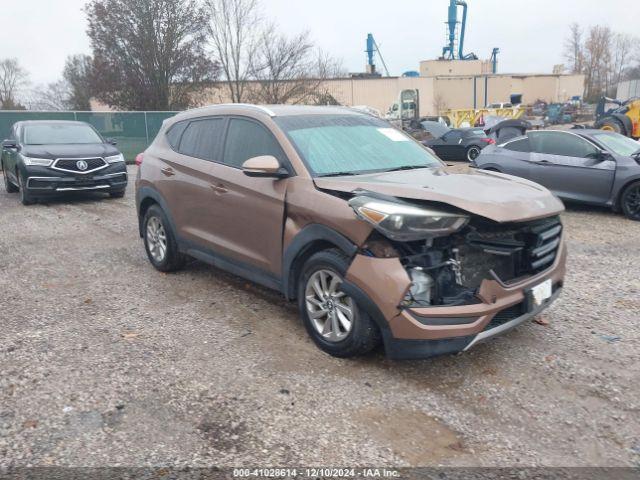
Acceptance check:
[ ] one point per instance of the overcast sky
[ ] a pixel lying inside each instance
(529, 33)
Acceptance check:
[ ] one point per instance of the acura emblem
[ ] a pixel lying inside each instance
(82, 165)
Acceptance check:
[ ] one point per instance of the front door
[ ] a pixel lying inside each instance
(249, 211)
(571, 167)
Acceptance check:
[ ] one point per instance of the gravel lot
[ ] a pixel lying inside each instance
(104, 361)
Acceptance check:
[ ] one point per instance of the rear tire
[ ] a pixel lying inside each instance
(9, 187)
(611, 124)
(159, 241)
(334, 321)
(472, 153)
(630, 201)
(25, 196)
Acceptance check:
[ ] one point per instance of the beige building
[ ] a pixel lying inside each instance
(442, 85)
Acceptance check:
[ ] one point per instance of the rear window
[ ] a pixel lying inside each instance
(202, 138)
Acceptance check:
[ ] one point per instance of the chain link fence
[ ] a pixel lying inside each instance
(133, 131)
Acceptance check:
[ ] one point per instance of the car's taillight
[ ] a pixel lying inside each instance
(490, 141)
(139, 159)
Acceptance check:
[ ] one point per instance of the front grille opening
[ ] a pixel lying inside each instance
(72, 164)
(506, 315)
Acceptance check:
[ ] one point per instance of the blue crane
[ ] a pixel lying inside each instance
(372, 49)
(449, 51)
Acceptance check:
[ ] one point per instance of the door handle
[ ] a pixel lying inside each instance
(168, 171)
(219, 189)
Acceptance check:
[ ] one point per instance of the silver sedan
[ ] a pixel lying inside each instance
(588, 166)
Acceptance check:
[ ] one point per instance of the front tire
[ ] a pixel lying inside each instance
(334, 321)
(630, 201)
(9, 187)
(25, 196)
(473, 152)
(117, 194)
(159, 241)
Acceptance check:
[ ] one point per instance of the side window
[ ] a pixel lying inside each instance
(247, 139)
(559, 143)
(453, 137)
(521, 145)
(174, 134)
(202, 138)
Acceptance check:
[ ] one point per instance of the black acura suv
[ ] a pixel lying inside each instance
(45, 158)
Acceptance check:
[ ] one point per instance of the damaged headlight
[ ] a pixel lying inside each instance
(406, 223)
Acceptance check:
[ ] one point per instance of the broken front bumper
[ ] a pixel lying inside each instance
(426, 332)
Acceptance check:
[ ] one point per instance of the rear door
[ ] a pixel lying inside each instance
(185, 177)
(570, 166)
(249, 211)
(515, 158)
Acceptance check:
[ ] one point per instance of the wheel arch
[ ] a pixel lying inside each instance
(146, 198)
(310, 240)
(621, 190)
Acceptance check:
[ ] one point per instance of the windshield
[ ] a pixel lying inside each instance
(352, 144)
(618, 144)
(58, 134)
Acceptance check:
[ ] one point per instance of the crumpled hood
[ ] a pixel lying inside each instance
(70, 151)
(499, 197)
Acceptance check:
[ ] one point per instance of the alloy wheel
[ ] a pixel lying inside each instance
(632, 201)
(473, 153)
(156, 239)
(331, 311)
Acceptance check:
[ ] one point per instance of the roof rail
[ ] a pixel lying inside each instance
(261, 108)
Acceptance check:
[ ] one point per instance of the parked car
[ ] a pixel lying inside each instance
(45, 158)
(356, 221)
(455, 143)
(588, 166)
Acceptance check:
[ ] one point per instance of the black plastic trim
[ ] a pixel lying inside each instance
(443, 320)
(307, 235)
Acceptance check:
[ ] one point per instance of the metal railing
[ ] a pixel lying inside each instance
(133, 131)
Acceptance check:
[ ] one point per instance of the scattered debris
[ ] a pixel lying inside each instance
(130, 335)
(30, 424)
(611, 338)
(542, 320)
(284, 391)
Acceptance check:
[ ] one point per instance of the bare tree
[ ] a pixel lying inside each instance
(234, 30)
(77, 75)
(290, 69)
(439, 103)
(148, 54)
(597, 63)
(13, 78)
(52, 97)
(573, 53)
(622, 52)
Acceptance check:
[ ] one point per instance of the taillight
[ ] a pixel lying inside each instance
(139, 159)
(490, 141)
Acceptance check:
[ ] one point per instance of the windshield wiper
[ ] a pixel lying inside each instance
(338, 174)
(407, 167)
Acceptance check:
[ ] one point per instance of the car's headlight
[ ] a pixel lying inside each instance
(37, 162)
(405, 222)
(115, 158)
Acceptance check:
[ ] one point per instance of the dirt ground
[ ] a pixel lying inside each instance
(105, 361)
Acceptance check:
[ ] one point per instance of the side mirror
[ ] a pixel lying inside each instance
(266, 166)
(9, 144)
(604, 155)
(112, 141)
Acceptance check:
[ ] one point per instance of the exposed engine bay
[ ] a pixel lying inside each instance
(449, 270)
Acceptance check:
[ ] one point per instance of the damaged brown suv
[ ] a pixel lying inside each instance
(360, 224)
